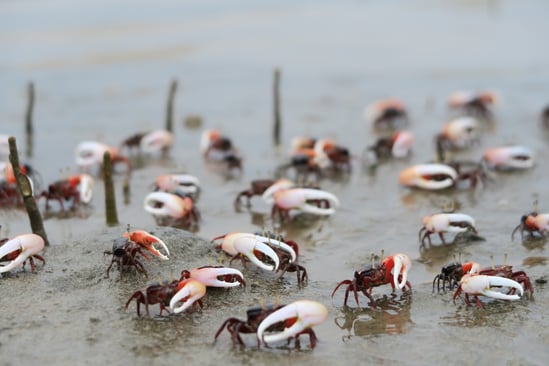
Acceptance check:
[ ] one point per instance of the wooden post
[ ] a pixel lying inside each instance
(29, 131)
(110, 198)
(25, 188)
(169, 106)
(276, 106)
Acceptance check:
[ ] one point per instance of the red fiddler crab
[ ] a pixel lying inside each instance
(89, 156)
(508, 158)
(275, 323)
(172, 208)
(179, 184)
(392, 270)
(387, 114)
(219, 149)
(77, 188)
(445, 223)
(284, 199)
(150, 142)
(476, 103)
(532, 223)
(126, 248)
(398, 146)
(256, 248)
(20, 249)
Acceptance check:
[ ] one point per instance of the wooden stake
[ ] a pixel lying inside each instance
(276, 106)
(110, 198)
(29, 131)
(25, 188)
(169, 106)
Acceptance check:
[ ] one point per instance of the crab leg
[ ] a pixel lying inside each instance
(189, 292)
(29, 244)
(147, 241)
(300, 315)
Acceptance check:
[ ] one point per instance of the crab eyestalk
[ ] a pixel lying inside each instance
(298, 318)
(27, 244)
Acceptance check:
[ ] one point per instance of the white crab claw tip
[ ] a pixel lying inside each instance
(29, 244)
(307, 313)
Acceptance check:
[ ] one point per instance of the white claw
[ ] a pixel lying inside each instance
(245, 244)
(190, 291)
(86, 188)
(298, 198)
(29, 244)
(308, 313)
(208, 276)
(482, 285)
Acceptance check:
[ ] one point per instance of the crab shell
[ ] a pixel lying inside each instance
(307, 313)
(539, 222)
(156, 141)
(509, 157)
(29, 244)
(442, 222)
(422, 176)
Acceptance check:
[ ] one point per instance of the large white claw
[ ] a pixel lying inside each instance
(29, 244)
(300, 198)
(163, 204)
(307, 314)
(189, 292)
(402, 265)
(428, 176)
(209, 276)
(482, 285)
(281, 184)
(156, 140)
(278, 244)
(86, 188)
(246, 244)
(448, 222)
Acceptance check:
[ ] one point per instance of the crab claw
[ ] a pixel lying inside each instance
(300, 199)
(84, 184)
(402, 144)
(28, 244)
(399, 264)
(181, 184)
(481, 285)
(90, 153)
(159, 140)
(449, 222)
(163, 204)
(299, 316)
(508, 158)
(147, 241)
(268, 195)
(428, 176)
(210, 275)
(247, 244)
(460, 132)
(189, 291)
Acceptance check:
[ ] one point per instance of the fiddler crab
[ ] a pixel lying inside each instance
(451, 275)
(9, 192)
(392, 270)
(150, 142)
(398, 146)
(508, 158)
(479, 104)
(172, 208)
(387, 114)
(285, 197)
(458, 133)
(78, 189)
(179, 184)
(445, 223)
(126, 248)
(89, 156)
(176, 296)
(217, 148)
(20, 249)
(275, 323)
(532, 223)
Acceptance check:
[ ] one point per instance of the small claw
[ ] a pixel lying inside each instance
(299, 315)
(428, 176)
(188, 291)
(28, 244)
(482, 285)
(209, 275)
(147, 241)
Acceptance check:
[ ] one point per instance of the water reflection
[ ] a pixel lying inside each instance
(392, 316)
(493, 313)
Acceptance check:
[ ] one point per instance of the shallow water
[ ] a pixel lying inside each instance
(103, 74)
